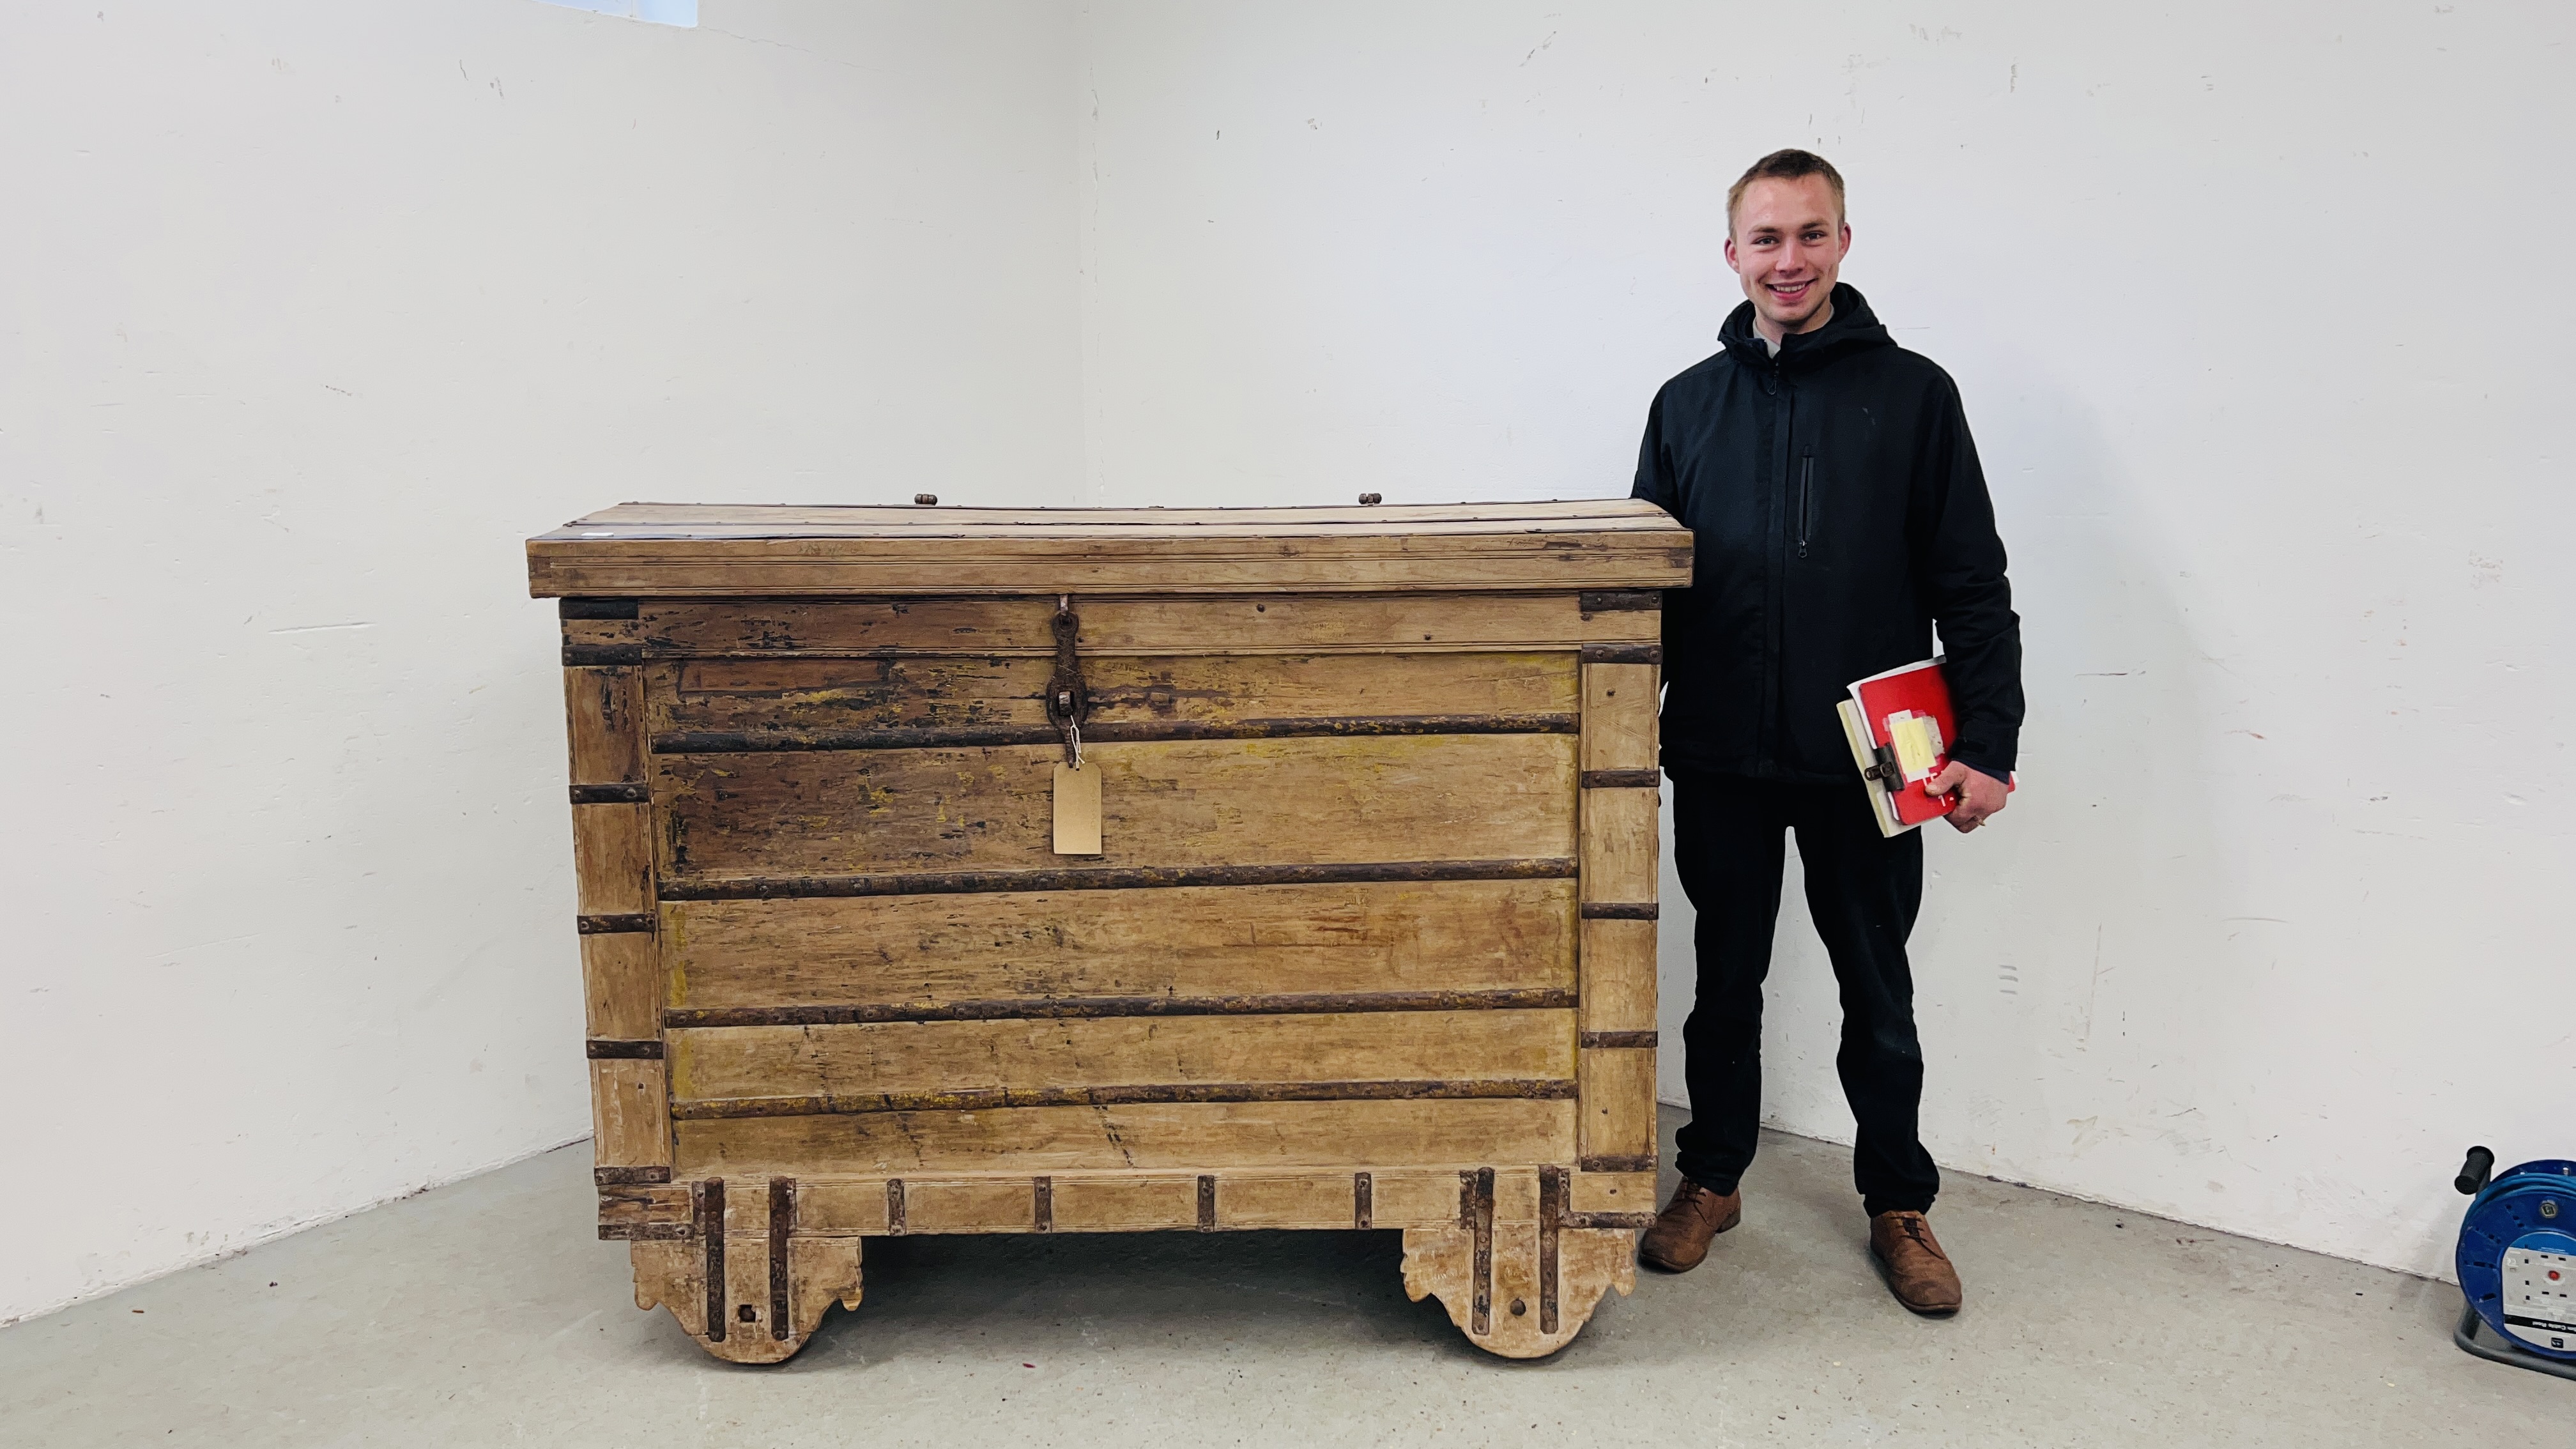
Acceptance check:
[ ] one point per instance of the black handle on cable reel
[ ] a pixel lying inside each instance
(2474, 1172)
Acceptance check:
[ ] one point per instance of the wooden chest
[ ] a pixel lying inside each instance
(1368, 940)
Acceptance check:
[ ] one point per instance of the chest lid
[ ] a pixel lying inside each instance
(766, 550)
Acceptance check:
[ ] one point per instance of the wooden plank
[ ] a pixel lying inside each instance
(835, 1209)
(621, 979)
(811, 702)
(1190, 941)
(1618, 962)
(630, 1114)
(975, 1205)
(1611, 1192)
(1146, 1137)
(613, 859)
(710, 1064)
(1189, 802)
(603, 725)
(693, 562)
(1618, 1103)
(1413, 1197)
(958, 521)
(1619, 846)
(1283, 1200)
(1619, 716)
(1119, 630)
(1125, 1204)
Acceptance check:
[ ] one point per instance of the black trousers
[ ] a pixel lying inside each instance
(1863, 890)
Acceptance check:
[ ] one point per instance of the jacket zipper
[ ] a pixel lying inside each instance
(1806, 497)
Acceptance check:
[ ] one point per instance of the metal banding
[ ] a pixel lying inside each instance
(1042, 1205)
(983, 1099)
(573, 608)
(646, 1232)
(1618, 910)
(1622, 654)
(1484, 1226)
(1551, 1212)
(711, 1223)
(1644, 1162)
(633, 794)
(1620, 601)
(606, 1049)
(620, 925)
(782, 1221)
(1606, 1220)
(1113, 732)
(1623, 779)
(1065, 1008)
(1207, 1203)
(587, 656)
(1104, 878)
(1618, 1039)
(628, 1176)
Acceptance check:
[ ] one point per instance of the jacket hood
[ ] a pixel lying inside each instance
(1854, 328)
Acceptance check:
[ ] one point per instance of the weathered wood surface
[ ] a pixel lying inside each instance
(1618, 962)
(1173, 803)
(845, 703)
(1618, 1102)
(613, 859)
(1115, 628)
(748, 551)
(603, 725)
(630, 1115)
(850, 1064)
(1185, 942)
(1620, 846)
(621, 977)
(1619, 716)
(1147, 1136)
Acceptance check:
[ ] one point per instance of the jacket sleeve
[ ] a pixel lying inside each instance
(1959, 560)
(1655, 481)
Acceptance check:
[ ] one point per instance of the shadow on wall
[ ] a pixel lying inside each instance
(2080, 965)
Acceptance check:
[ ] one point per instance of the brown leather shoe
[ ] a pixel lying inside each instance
(1680, 1237)
(1917, 1271)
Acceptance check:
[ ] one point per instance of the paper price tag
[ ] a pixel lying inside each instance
(1077, 809)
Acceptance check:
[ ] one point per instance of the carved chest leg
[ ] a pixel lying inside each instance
(753, 1292)
(1517, 1284)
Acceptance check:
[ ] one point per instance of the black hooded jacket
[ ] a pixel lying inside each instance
(1840, 515)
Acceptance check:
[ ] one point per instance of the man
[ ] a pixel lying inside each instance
(1841, 516)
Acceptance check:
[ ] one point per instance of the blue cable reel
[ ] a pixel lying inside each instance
(2517, 1263)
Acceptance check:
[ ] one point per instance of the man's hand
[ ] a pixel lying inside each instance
(1980, 796)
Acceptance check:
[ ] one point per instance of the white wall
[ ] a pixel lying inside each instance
(309, 313)
(2256, 315)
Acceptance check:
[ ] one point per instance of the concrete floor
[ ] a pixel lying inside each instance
(485, 1314)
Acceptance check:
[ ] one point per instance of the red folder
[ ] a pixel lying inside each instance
(1900, 725)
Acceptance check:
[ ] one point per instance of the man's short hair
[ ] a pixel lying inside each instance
(1788, 165)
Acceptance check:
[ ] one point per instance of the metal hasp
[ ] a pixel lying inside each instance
(2517, 1263)
(1068, 702)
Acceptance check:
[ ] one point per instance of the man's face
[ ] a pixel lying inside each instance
(1787, 243)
